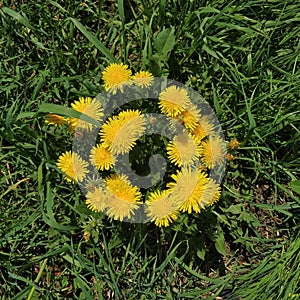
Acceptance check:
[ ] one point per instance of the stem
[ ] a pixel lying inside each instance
(37, 278)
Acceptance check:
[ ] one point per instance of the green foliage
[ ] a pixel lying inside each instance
(295, 186)
(164, 43)
(266, 280)
(243, 58)
(66, 111)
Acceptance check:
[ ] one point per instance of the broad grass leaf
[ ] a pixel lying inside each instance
(220, 243)
(18, 17)
(295, 186)
(66, 111)
(164, 43)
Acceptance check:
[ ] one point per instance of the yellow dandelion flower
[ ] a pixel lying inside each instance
(74, 167)
(109, 130)
(190, 117)
(143, 78)
(57, 120)
(127, 115)
(183, 150)
(96, 200)
(123, 197)
(213, 151)
(120, 133)
(188, 188)
(173, 101)
(101, 157)
(115, 77)
(203, 128)
(211, 193)
(90, 107)
(161, 208)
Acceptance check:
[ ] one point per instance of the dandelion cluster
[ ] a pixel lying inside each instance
(192, 152)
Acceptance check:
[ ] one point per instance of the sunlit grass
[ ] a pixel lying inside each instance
(243, 58)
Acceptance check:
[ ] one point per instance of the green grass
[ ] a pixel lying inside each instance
(243, 58)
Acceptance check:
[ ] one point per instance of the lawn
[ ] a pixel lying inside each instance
(242, 58)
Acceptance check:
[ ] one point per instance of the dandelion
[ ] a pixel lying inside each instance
(57, 120)
(173, 101)
(129, 114)
(230, 157)
(234, 144)
(86, 236)
(143, 79)
(211, 193)
(188, 188)
(161, 208)
(109, 130)
(74, 167)
(123, 197)
(213, 151)
(203, 128)
(120, 133)
(183, 150)
(115, 77)
(96, 200)
(101, 158)
(190, 117)
(90, 107)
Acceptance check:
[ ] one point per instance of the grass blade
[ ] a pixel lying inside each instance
(94, 40)
(18, 17)
(66, 111)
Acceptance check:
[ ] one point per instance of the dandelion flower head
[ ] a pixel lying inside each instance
(188, 187)
(115, 77)
(143, 78)
(121, 132)
(203, 128)
(190, 117)
(123, 197)
(211, 194)
(96, 200)
(214, 152)
(74, 167)
(183, 150)
(90, 107)
(101, 157)
(173, 101)
(161, 208)
(57, 120)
